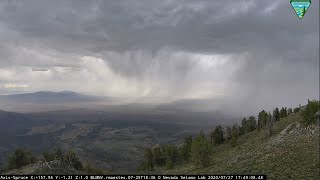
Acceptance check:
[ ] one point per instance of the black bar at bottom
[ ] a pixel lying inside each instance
(133, 177)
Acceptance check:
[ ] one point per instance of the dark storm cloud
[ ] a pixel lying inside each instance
(205, 26)
(141, 39)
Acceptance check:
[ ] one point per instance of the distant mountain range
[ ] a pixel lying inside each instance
(49, 96)
(51, 101)
(43, 101)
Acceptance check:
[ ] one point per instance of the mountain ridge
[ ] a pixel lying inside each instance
(43, 94)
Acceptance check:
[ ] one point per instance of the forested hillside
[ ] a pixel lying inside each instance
(283, 144)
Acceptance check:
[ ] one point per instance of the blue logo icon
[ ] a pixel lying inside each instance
(300, 7)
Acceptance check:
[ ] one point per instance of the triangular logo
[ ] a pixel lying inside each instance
(300, 7)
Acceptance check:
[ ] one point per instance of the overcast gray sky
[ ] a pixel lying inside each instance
(253, 52)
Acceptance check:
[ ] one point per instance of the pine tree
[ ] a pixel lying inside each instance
(20, 157)
(228, 133)
(262, 119)
(244, 127)
(283, 112)
(309, 113)
(251, 124)
(171, 154)
(276, 114)
(248, 125)
(158, 156)
(269, 125)
(200, 150)
(185, 149)
(148, 159)
(270, 119)
(234, 135)
(217, 136)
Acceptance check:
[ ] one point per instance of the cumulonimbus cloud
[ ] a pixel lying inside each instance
(257, 50)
